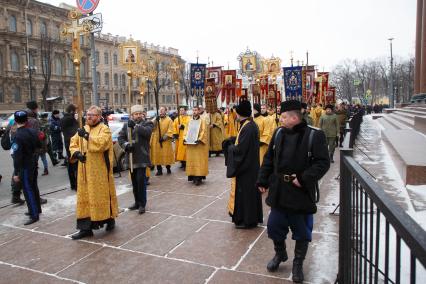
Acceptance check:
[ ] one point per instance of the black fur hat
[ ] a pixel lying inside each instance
(290, 105)
(244, 109)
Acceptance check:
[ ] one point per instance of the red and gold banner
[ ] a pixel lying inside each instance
(238, 89)
(272, 97)
(330, 98)
(210, 95)
(263, 87)
(308, 83)
(322, 79)
(216, 74)
(255, 88)
(229, 78)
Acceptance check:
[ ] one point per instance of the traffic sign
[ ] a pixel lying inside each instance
(87, 6)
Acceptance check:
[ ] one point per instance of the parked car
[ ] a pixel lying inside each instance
(420, 98)
(118, 159)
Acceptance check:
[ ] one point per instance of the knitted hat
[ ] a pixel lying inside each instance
(244, 109)
(21, 116)
(136, 108)
(290, 105)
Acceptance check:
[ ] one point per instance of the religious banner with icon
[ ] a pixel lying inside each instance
(255, 88)
(198, 76)
(249, 63)
(238, 88)
(229, 78)
(216, 74)
(293, 82)
(309, 85)
(322, 79)
(330, 97)
(210, 96)
(272, 98)
(263, 81)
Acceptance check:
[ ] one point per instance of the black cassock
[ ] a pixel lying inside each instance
(242, 162)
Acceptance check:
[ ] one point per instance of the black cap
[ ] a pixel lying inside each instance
(244, 109)
(32, 105)
(290, 105)
(21, 116)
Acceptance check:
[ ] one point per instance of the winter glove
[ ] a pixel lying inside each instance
(83, 133)
(77, 155)
(129, 148)
(131, 123)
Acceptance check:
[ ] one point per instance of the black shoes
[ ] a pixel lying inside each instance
(198, 182)
(17, 200)
(134, 207)
(169, 171)
(43, 201)
(110, 225)
(82, 234)
(45, 173)
(159, 173)
(31, 221)
(141, 210)
(280, 256)
(55, 162)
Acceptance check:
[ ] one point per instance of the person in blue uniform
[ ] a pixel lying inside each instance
(296, 159)
(25, 144)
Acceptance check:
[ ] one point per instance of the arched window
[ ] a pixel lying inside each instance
(82, 69)
(116, 80)
(58, 66)
(14, 60)
(123, 80)
(71, 70)
(115, 59)
(98, 78)
(17, 95)
(106, 58)
(55, 32)
(29, 27)
(12, 24)
(43, 28)
(106, 78)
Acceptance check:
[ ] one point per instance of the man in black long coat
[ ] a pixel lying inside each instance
(69, 127)
(245, 204)
(296, 159)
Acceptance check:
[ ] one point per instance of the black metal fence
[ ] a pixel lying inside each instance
(378, 241)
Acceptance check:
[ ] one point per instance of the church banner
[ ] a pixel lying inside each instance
(216, 74)
(238, 89)
(198, 76)
(322, 78)
(263, 87)
(330, 98)
(293, 82)
(308, 83)
(210, 95)
(229, 78)
(272, 98)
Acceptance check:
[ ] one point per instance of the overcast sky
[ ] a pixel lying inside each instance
(331, 30)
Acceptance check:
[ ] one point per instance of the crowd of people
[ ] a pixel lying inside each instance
(284, 151)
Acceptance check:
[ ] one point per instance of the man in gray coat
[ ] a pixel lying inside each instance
(330, 125)
(141, 135)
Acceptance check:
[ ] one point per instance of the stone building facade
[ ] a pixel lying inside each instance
(22, 24)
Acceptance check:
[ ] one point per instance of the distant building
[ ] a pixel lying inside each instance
(22, 23)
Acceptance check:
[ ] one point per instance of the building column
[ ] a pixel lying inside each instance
(418, 55)
(423, 51)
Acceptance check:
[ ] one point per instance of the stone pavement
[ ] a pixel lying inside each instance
(186, 236)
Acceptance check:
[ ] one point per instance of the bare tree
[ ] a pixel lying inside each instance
(184, 80)
(46, 65)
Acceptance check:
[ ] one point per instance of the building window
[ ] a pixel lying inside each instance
(29, 27)
(115, 59)
(14, 60)
(12, 24)
(17, 95)
(82, 69)
(31, 60)
(55, 33)
(106, 78)
(106, 98)
(58, 66)
(123, 80)
(1, 95)
(97, 57)
(123, 98)
(1, 63)
(98, 78)
(106, 58)
(116, 80)
(43, 28)
(115, 98)
(71, 71)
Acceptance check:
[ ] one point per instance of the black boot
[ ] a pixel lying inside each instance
(16, 199)
(135, 206)
(299, 256)
(110, 225)
(331, 158)
(159, 171)
(82, 234)
(280, 256)
(169, 171)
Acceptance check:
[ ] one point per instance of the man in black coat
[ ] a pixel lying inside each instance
(56, 135)
(141, 135)
(297, 158)
(69, 126)
(245, 204)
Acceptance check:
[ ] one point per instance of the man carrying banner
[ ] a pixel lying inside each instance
(179, 126)
(197, 154)
(161, 143)
(262, 124)
(216, 133)
(96, 197)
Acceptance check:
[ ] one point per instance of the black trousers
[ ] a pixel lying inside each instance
(72, 171)
(139, 186)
